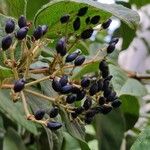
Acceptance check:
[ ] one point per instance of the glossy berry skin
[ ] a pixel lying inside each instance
(112, 96)
(61, 46)
(71, 98)
(103, 65)
(76, 24)
(21, 33)
(82, 11)
(44, 29)
(79, 60)
(93, 89)
(66, 89)
(107, 92)
(56, 85)
(95, 19)
(22, 22)
(100, 84)
(111, 48)
(106, 84)
(65, 18)
(6, 42)
(72, 57)
(38, 32)
(54, 125)
(106, 109)
(87, 103)
(106, 24)
(91, 112)
(87, 20)
(63, 80)
(86, 34)
(53, 112)
(105, 73)
(79, 110)
(114, 40)
(10, 26)
(102, 100)
(19, 85)
(116, 103)
(39, 114)
(85, 82)
(81, 95)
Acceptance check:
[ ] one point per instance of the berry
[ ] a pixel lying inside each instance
(81, 95)
(95, 19)
(72, 57)
(71, 98)
(100, 84)
(10, 26)
(6, 42)
(21, 33)
(87, 34)
(19, 85)
(114, 40)
(87, 20)
(74, 115)
(116, 103)
(79, 110)
(111, 48)
(91, 112)
(105, 73)
(108, 78)
(103, 65)
(76, 24)
(88, 120)
(66, 89)
(44, 29)
(54, 125)
(102, 100)
(87, 103)
(75, 90)
(85, 82)
(54, 112)
(65, 18)
(22, 21)
(63, 80)
(61, 46)
(79, 60)
(106, 24)
(39, 114)
(56, 85)
(82, 11)
(93, 89)
(38, 32)
(111, 96)
(107, 92)
(105, 109)
(106, 84)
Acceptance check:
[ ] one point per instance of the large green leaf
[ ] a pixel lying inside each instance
(51, 13)
(12, 141)
(15, 112)
(143, 141)
(139, 3)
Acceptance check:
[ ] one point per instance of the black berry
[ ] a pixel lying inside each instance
(93, 89)
(63, 80)
(38, 32)
(21, 33)
(65, 18)
(100, 84)
(53, 112)
(39, 114)
(106, 24)
(102, 100)
(81, 95)
(106, 84)
(105, 73)
(22, 21)
(10, 26)
(79, 60)
(44, 29)
(88, 120)
(87, 20)
(82, 11)
(106, 109)
(76, 24)
(56, 85)
(66, 89)
(85, 82)
(87, 103)
(103, 65)
(72, 57)
(71, 98)
(108, 78)
(54, 125)
(87, 34)
(114, 40)
(19, 85)
(116, 103)
(79, 110)
(6, 42)
(111, 48)
(95, 19)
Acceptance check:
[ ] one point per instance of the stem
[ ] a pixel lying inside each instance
(4, 56)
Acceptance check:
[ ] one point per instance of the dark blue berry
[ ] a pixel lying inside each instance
(87, 103)
(102, 100)
(44, 29)
(116, 103)
(21, 33)
(105, 73)
(81, 95)
(88, 120)
(105, 109)
(71, 98)
(53, 112)
(91, 112)
(85, 82)
(72, 57)
(56, 85)
(106, 84)
(100, 84)
(38, 32)
(106, 24)
(79, 110)
(111, 48)
(39, 114)
(82, 11)
(103, 65)
(114, 40)
(107, 92)
(95, 19)
(63, 80)
(10, 26)
(87, 20)
(66, 89)
(79, 60)
(6, 42)
(112, 96)
(54, 125)
(76, 24)
(22, 22)
(65, 18)
(19, 85)
(93, 89)
(76, 90)
(87, 34)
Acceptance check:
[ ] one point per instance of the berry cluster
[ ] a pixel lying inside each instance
(96, 94)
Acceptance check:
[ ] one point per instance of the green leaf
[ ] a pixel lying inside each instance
(139, 3)
(124, 85)
(110, 130)
(51, 13)
(15, 112)
(12, 141)
(143, 141)
(131, 114)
